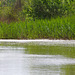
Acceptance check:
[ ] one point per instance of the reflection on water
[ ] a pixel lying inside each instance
(15, 61)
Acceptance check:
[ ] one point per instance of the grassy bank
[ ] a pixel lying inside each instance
(59, 28)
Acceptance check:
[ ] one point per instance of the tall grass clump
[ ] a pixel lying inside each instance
(59, 28)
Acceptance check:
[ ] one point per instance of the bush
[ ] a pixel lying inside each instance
(50, 8)
(26, 12)
(31, 9)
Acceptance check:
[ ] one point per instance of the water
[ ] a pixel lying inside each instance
(31, 59)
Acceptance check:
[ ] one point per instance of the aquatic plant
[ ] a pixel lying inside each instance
(59, 28)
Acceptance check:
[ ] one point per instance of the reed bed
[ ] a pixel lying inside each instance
(59, 28)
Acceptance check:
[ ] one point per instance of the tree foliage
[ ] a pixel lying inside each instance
(29, 9)
(51, 8)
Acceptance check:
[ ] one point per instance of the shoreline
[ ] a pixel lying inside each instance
(41, 41)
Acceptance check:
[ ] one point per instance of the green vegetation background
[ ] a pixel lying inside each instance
(34, 19)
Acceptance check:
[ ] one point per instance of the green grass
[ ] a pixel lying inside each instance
(59, 28)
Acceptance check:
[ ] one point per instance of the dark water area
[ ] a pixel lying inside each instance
(24, 59)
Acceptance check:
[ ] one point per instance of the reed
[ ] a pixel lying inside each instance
(59, 28)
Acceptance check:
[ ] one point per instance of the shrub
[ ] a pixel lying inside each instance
(51, 8)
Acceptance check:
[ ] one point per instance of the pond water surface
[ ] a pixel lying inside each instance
(43, 58)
